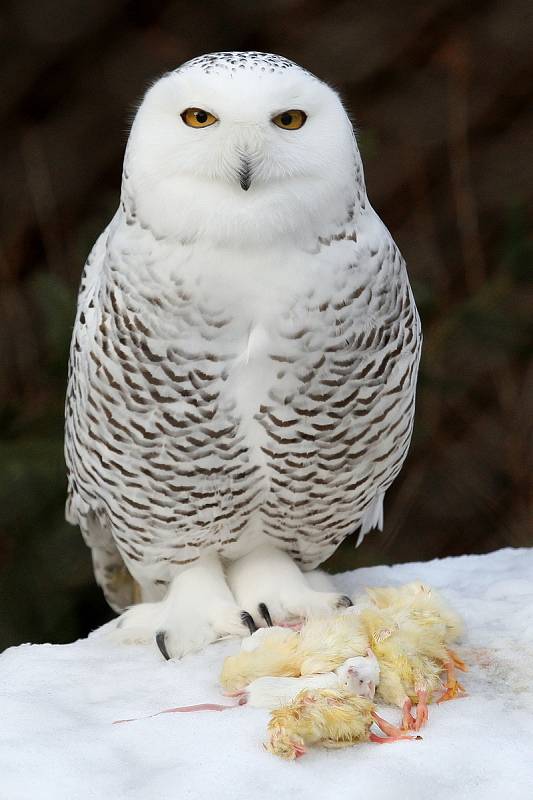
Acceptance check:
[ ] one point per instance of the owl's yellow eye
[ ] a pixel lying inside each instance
(290, 120)
(198, 118)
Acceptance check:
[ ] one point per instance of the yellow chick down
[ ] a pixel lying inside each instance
(410, 630)
(328, 717)
(276, 655)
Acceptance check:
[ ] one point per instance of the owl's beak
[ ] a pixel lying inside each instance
(245, 174)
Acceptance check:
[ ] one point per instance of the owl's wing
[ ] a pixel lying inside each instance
(109, 568)
(373, 518)
(76, 508)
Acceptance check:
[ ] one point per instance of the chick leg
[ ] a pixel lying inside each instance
(453, 687)
(272, 588)
(391, 689)
(459, 663)
(422, 712)
(408, 721)
(392, 733)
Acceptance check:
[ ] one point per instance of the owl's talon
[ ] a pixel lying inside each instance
(160, 640)
(248, 620)
(344, 601)
(265, 613)
(269, 577)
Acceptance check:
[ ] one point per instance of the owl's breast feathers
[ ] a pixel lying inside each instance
(201, 412)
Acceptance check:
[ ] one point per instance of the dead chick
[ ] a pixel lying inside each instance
(269, 651)
(359, 675)
(409, 629)
(432, 625)
(422, 604)
(322, 645)
(327, 642)
(407, 674)
(329, 717)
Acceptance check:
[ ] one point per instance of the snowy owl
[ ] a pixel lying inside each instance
(244, 358)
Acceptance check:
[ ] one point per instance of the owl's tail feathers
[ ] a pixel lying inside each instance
(112, 575)
(372, 518)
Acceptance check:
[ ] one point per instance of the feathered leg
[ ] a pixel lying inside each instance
(273, 589)
(198, 609)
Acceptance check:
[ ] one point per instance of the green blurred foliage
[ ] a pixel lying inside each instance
(42, 558)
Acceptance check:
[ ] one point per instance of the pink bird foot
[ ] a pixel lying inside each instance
(453, 687)
(458, 662)
(408, 721)
(422, 711)
(392, 733)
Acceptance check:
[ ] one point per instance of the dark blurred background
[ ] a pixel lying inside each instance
(442, 95)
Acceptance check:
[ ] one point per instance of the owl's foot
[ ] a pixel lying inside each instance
(198, 609)
(273, 590)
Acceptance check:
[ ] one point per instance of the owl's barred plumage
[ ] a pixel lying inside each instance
(243, 364)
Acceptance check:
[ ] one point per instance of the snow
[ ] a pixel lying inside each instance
(58, 703)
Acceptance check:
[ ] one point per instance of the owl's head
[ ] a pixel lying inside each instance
(245, 145)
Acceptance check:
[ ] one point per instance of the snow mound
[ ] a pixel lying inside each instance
(58, 703)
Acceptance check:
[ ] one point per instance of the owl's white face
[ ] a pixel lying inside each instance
(242, 176)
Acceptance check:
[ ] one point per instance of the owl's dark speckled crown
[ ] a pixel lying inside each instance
(234, 62)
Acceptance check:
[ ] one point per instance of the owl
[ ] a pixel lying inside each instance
(244, 358)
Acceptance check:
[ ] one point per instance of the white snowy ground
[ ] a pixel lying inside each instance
(58, 702)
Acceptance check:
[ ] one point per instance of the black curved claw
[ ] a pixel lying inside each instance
(248, 620)
(265, 613)
(344, 602)
(161, 643)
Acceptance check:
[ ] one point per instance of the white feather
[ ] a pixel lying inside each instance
(243, 363)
